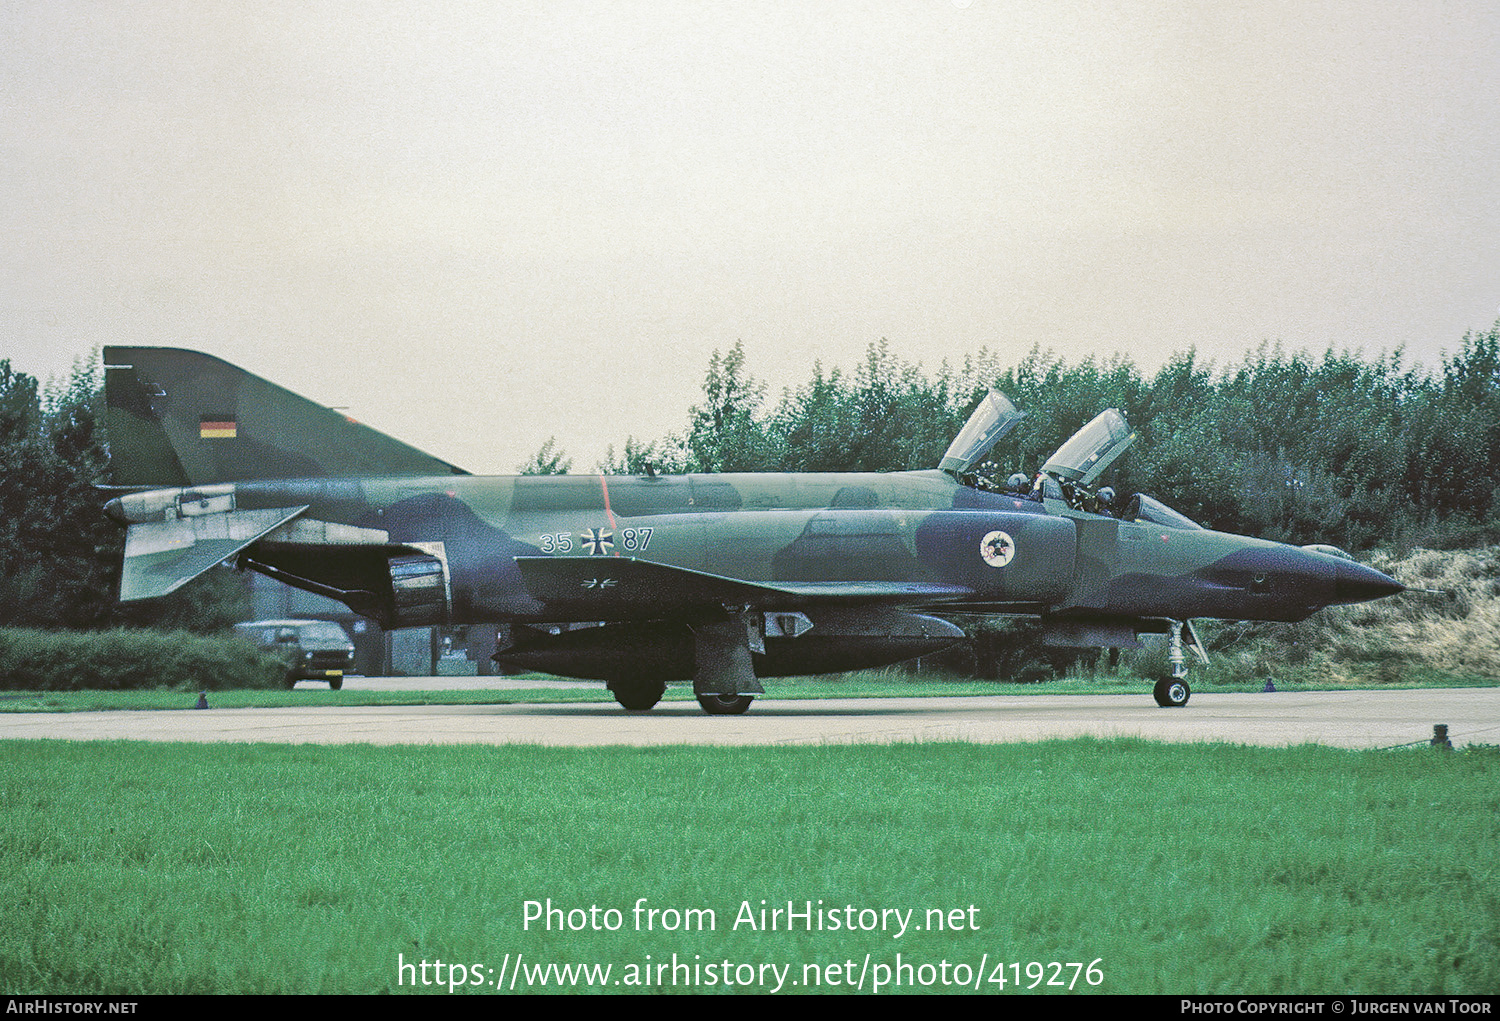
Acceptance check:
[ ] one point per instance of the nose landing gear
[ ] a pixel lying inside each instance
(1171, 692)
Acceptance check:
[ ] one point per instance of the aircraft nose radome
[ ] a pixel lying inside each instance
(1357, 583)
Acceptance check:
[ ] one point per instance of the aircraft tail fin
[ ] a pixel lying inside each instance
(182, 418)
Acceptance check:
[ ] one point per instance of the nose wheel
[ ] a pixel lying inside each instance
(1171, 692)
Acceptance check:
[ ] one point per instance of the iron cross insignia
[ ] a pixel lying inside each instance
(598, 541)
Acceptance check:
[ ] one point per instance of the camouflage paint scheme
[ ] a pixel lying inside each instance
(641, 580)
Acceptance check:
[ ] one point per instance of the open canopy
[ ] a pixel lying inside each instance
(994, 417)
(1091, 449)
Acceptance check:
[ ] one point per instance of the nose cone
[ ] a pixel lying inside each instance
(1356, 583)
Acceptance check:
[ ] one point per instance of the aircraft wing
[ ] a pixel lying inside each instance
(616, 584)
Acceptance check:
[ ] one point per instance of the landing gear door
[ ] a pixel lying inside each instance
(1091, 449)
(994, 417)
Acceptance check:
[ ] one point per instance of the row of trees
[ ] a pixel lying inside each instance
(1339, 448)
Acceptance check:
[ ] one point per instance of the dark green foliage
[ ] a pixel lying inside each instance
(1010, 649)
(887, 417)
(664, 457)
(723, 435)
(57, 552)
(34, 660)
(548, 460)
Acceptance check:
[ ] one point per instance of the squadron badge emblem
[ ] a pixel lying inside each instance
(997, 549)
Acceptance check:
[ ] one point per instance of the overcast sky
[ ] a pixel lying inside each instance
(478, 225)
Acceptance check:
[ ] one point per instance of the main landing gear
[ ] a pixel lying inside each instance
(724, 705)
(639, 696)
(1171, 692)
(724, 680)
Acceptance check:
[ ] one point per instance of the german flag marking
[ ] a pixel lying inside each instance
(217, 429)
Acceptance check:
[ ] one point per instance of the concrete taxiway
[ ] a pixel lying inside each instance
(1345, 719)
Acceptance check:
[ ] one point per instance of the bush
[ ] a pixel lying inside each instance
(118, 660)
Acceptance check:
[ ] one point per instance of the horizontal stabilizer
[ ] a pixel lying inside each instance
(614, 584)
(162, 556)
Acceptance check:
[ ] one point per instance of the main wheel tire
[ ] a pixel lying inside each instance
(1171, 692)
(639, 697)
(725, 705)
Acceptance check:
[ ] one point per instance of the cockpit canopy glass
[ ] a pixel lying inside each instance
(1091, 449)
(1145, 508)
(994, 417)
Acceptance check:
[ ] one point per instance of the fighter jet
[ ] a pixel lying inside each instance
(721, 579)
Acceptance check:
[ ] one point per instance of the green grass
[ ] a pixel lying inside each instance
(148, 868)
